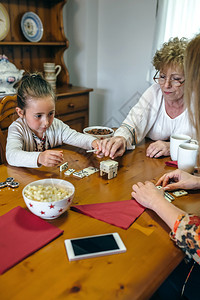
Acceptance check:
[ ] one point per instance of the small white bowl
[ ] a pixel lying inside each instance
(99, 136)
(51, 209)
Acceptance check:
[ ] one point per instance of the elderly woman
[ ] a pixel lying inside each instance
(160, 111)
(184, 281)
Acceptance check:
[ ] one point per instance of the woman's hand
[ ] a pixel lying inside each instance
(50, 158)
(158, 148)
(112, 147)
(179, 180)
(147, 194)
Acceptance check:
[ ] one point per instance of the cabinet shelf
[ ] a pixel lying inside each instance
(72, 103)
(64, 44)
(30, 56)
(71, 90)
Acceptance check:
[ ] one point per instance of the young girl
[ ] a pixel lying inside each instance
(36, 131)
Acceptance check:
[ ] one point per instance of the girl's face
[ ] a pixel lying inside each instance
(39, 114)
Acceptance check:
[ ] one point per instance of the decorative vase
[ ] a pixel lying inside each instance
(9, 75)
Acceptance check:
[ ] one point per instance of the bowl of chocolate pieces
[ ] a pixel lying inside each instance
(99, 132)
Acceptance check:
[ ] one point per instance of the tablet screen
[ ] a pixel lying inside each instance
(94, 246)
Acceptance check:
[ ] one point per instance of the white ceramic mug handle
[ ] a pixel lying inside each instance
(194, 142)
(59, 69)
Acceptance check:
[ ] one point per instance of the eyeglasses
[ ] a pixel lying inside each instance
(162, 79)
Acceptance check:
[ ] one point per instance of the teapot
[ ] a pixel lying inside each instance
(9, 75)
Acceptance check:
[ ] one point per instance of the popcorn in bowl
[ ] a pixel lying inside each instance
(47, 193)
(48, 198)
(99, 132)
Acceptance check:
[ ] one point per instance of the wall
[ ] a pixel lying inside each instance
(110, 50)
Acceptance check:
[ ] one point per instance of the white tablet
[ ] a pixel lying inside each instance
(93, 246)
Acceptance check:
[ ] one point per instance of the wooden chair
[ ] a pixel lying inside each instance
(7, 116)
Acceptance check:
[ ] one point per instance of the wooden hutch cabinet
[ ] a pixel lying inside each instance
(72, 105)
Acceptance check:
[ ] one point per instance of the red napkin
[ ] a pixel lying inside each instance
(171, 163)
(119, 213)
(21, 234)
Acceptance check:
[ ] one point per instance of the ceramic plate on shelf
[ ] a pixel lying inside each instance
(4, 22)
(32, 27)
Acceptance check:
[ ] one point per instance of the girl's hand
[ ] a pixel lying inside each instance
(50, 158)
(179, 180)
(147, 194)
(95, 144)
(113, 147)
(158, 148)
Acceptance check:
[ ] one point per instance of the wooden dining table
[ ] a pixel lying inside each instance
(136, 274)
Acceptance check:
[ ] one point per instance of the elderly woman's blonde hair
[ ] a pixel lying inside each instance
(192, 82)
(171, 54)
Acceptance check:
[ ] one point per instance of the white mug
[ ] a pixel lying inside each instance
(187, 156)
(175, 141)
(51, 69)
(51, 72)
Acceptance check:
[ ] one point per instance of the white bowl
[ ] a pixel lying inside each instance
(99, 136)
(51, 209)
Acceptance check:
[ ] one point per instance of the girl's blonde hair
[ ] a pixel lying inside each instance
(33, 86)
(171, 54)
(192, 82)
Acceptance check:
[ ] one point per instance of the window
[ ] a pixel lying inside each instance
(175, 18)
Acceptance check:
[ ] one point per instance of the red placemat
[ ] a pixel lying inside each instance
(21, 234)
(119, 213)
(172, 163)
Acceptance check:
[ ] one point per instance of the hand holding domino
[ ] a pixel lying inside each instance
(169, 197)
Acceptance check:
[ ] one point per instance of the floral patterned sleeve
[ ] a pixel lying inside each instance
(186, 234)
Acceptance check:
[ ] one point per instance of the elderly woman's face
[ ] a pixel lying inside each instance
(170, 77)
